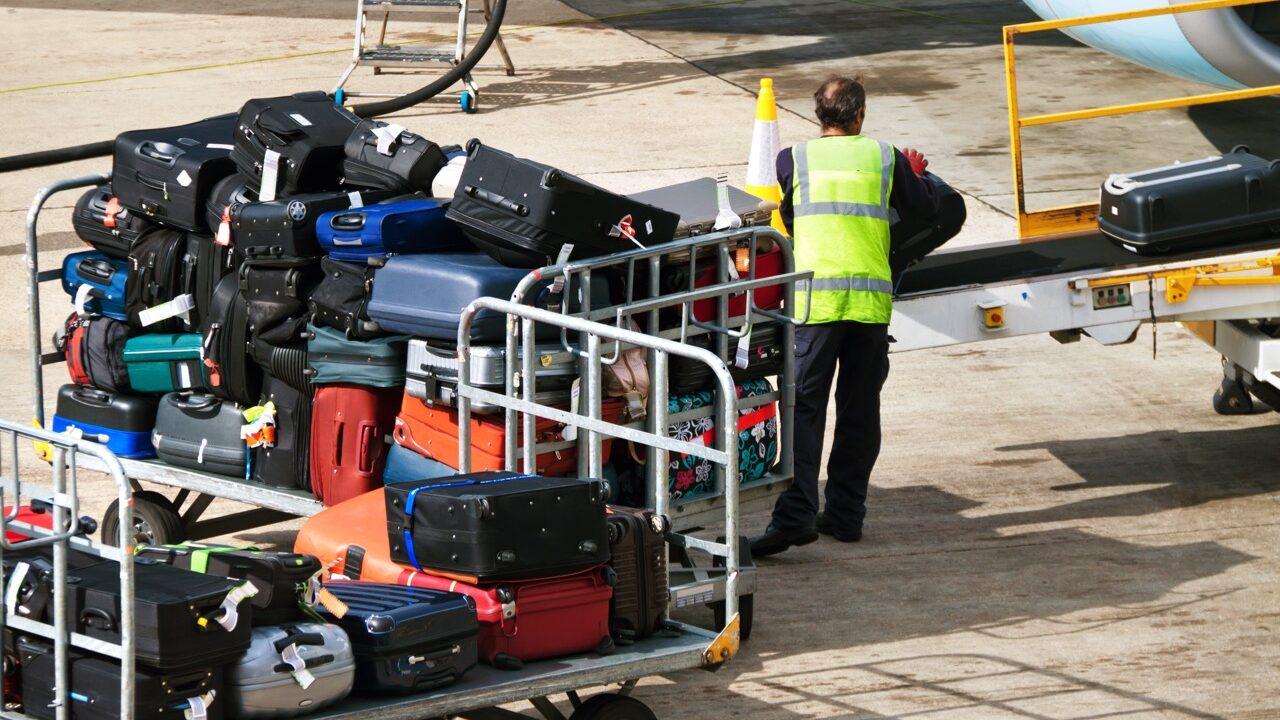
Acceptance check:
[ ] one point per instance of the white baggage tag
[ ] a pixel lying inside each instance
(180, 305)
(570, 432)
(726, 218)
(15, 586)
(387, 135)
(743, 355)
(184, 376)
(199, 706)
(184, 179)
(270, 175)
(223, 236)
(82, 297)
(557, 285)
(445, 183)
(204, 443)
(355, 200)
(294, 660)
(230, 615)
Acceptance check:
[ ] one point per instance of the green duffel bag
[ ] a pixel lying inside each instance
(164, 362)
(333, 358)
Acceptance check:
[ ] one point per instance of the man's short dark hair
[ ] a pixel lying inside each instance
(839, 100)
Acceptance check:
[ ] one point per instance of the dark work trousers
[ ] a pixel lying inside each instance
(856, 356)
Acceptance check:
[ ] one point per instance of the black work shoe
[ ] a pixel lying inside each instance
(775, 540)
(824, 526)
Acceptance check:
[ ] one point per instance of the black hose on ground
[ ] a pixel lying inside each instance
(44, 158)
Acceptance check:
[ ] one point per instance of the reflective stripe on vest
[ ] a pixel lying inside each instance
(841, 200)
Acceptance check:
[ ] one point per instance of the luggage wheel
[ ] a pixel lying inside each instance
(469, 102)
(155, 520)
(612, 706)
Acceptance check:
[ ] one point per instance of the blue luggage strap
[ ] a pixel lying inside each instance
(413, 495)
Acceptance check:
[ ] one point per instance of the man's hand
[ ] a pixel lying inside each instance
(917, 160)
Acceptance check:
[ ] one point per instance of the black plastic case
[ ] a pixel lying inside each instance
(278, 576)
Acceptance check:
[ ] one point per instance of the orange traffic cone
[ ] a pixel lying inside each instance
(762, 173)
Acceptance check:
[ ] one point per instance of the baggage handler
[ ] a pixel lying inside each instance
(841, 193)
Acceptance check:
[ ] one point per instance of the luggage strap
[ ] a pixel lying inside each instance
(197, 708)
(293, 662)
(413, 495)
(200, 554)
(745, 422)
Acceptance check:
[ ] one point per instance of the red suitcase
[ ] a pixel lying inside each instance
(349, 428)
(28, 516)
(768, 264)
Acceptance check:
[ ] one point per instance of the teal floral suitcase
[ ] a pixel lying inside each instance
(691, 477)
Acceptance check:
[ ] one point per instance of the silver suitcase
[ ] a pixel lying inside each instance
(431, 374)
(264, 684)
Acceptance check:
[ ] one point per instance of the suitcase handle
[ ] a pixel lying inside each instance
(97, 619)
(338, 426)
(187, 685)
(347, 221)
(97, 269)
(312, 638)
(278, 124)
(496, 200)
(161, 152)
(193, 401)
(93, 396)
(368, 436)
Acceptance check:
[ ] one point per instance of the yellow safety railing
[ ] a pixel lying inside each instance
(1080, 217)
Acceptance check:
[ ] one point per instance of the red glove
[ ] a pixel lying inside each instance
(918, 162)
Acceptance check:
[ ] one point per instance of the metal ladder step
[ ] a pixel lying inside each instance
(413, 3)
(398, 55)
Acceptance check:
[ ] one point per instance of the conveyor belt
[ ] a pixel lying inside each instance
(1003, 262)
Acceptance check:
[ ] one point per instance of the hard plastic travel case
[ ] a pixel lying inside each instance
(350, 430)
(201, 432)
(432, 373)
(341, 300)
(123, 422)
(182, 620)
(163, 363)
(286, 227)
(284, 463)
(232, 376)
(638, 556)
(101, 221)
(399, 305)
(392, 158)
(279, 577)
(291, 670)
(405, 465)
(1210, 202)
(498, 526)
(302, 134)
(97, 282)
(523, 212)
(95, 686)
(405, 639)
(94, 350)
(395, 227)
(378, 362)
(169, 173)
(159, 272)
(698, 205)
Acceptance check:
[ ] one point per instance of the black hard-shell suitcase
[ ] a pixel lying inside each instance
(285, 464)
(287, 227)
(497, 526)
(638, 557)
(230, 192)
(406, 639)
(182, 620)
(523, 212)
(232, 376)
(276, 291)
(341, 300)
(158, 273)
(392, 158)
(95, 686)
(201, 432)
(125, 420)
(101, 221)
(279, 577)
(168, 173)
(307, 130)
(1211, 202)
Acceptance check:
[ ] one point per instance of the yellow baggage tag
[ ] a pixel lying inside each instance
(336, 607)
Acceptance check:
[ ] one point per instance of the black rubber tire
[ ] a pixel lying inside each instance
(611, 706)
(746, 610)
(154, 518)
(1232, 398)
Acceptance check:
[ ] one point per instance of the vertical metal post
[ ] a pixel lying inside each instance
(595, 465)
(510, 436)
(1015, 131)
(460, 48)
(528, 385)
(729, 444)
(658, 456)
(61, 635)
(33, 307)
(464, 403)
(585, 366)
(128, 641)
(721, 476)
(787, 380)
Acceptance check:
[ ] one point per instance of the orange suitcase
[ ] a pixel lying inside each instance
(360, 524)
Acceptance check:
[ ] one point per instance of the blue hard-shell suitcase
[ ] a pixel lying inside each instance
(105, 276)
(405, 465)
(121, 421)
(397, 227)
(401, 303)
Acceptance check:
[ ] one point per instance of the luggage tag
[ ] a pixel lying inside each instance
(15, 581)
(557, 285)
(180, 306)
(387, 136)
(293, 659)
(726, 218)
(259, 428)
(355, 200)
(230, 616)
(570, 431)
(270, 175)
(223, 236)
(198, 706)
(330, 602)
(82, 296)
(110, 213)
(743, 356)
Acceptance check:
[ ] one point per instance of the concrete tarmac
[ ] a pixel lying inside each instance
(1054, 532)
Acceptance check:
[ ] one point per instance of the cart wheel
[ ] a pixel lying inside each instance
(746, 609)
(1232, 398)
(155, 522)
(338, 96)
(468, 102)
(611, 706)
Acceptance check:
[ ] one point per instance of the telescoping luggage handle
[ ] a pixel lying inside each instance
(413, 495)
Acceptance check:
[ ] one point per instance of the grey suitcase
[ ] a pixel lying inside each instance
(264, 684)
(698, 204)
(431, 373)
(201, 432)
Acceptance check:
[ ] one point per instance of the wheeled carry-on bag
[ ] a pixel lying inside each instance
(207, 263)
(163, 363)
(121, 421)
(229, 193)
(1212, 202)
(432, 373)
(405, 639)
(350, 429)
(159, 272)
(93, 348)
(392, 158)
(284, 462)
(638, 556)
(405, 465)
(97, 284)
(396, 227)
(232, 375)
(279, 577)
(291, 670)
(341, 300)
(277, 298)
(496, 526)
(101, 221)
(287, 227)
(757, 440)
(523, 213)
(762, 355)
(201, 432)
(378, 362)
(169, 173)
(295, 142)
(182, 620)
(95, 686)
